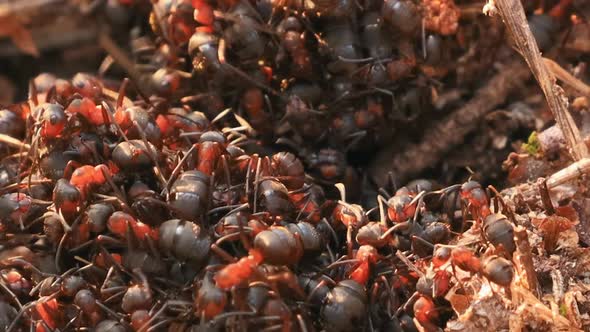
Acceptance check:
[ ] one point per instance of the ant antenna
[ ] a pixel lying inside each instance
(471, 172)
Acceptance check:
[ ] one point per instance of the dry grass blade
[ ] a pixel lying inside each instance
(514, 18)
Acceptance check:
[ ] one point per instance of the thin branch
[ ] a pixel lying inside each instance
(514, 18)
(530, 192)
(567, 78)
(524, 256)
(119, 55)
(14, 142)
(412, 159)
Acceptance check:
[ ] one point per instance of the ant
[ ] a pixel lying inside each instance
(495, 268)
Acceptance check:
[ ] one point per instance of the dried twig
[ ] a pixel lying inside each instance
(569, 173)
(16, 143)
(119, 55)
(531, 192)
(567, 78)
(449, 132)
(514, 18)
(524, 256)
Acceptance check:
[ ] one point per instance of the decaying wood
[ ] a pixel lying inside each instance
(449, 132)
(514, 18)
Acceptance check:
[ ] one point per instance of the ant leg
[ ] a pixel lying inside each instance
(308, 196)
(314, 290)
(356, 138)
(256, 184)
(119, 317)
(103, 288)
(27, 307)
(407, 304)
(32, 153)
(222, 253)
(176, 169)
(221, 115)
(349, 241)
(544, 191)
(381, 200)
(60, 249)
(243, 237)
(341, 262)
(290, 280)
(74, 319)
(109, 240)
(374, 293)
(391, 180)
(422, 240)
(331, 254)
(459, 281)
(464, 210)
(227, 237)
(155, 327)
(151, 153)
(33, 92)
(153, 317)
(10, 294)
(384, 193)
(106, 63)
(273, 328)
(227, 315)
(117, 295)
(418, 200)
(248, 171)
(121, 93)
(106, 118)
(152, 247)
(233, 209)
(408, 263)
(332, 231)
(225, 164)
(113, 261)
(391, 302)
(51, 95)
(396, 227)
(120, 195)
(70, 168)
(301, 323)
